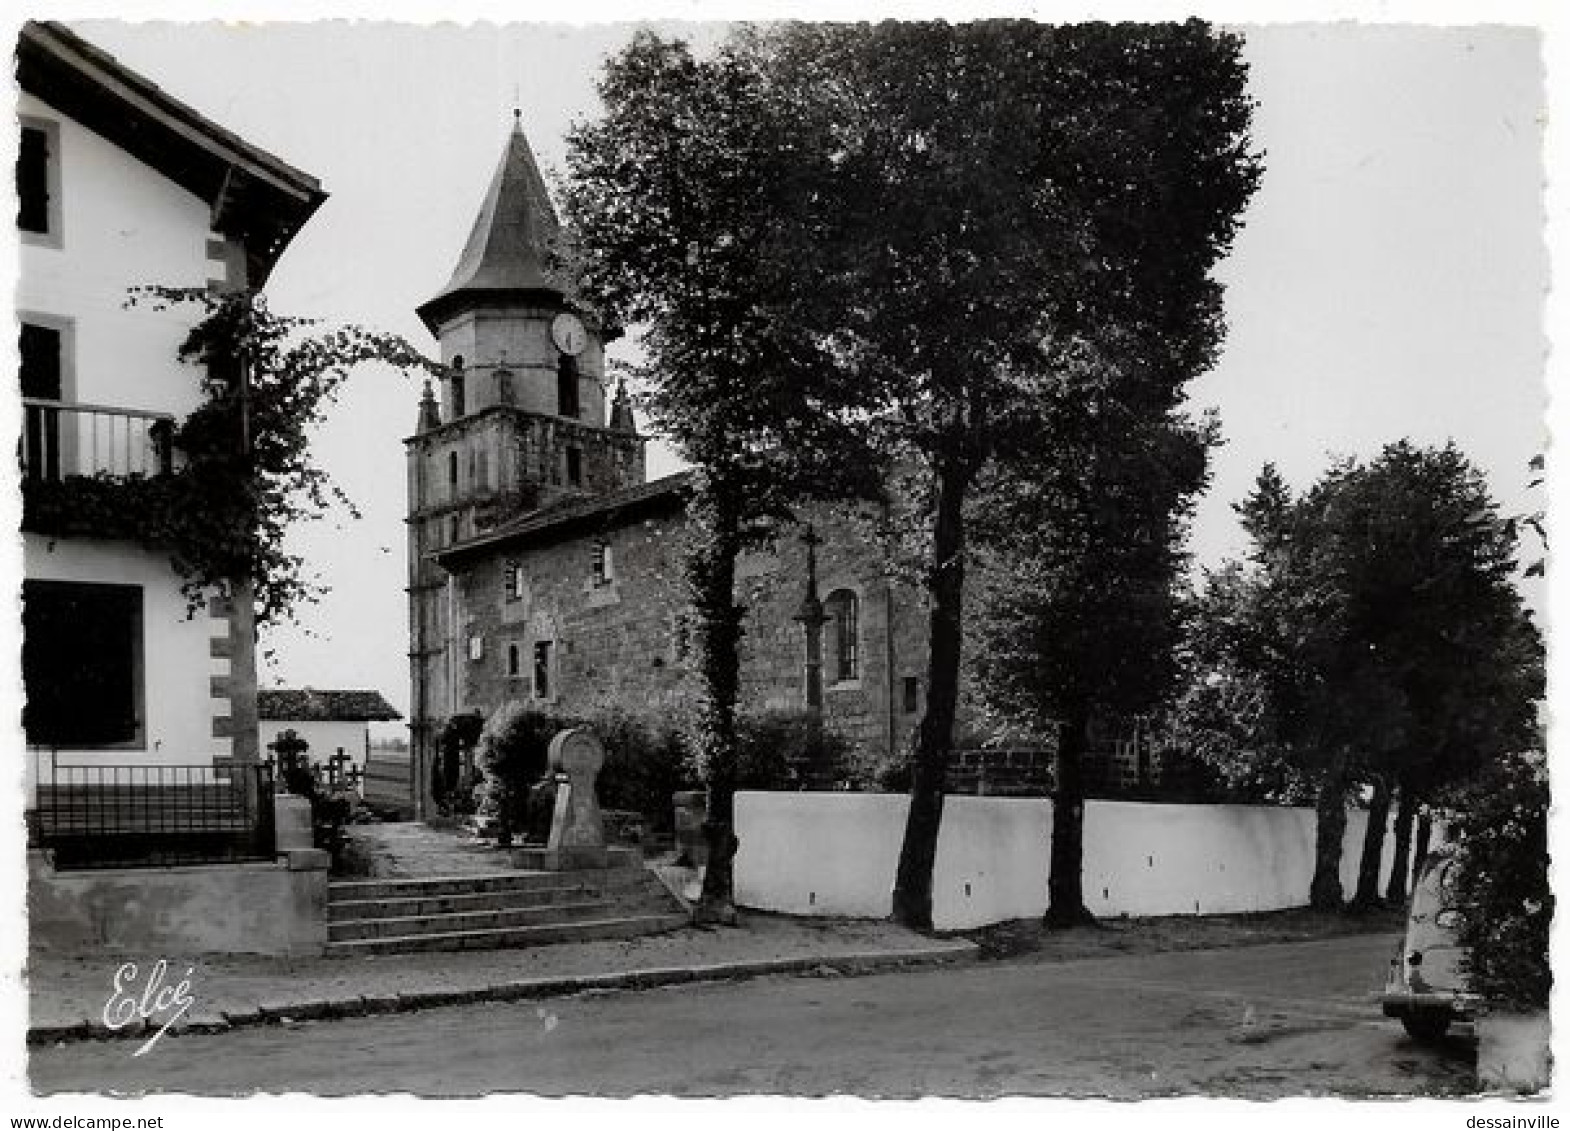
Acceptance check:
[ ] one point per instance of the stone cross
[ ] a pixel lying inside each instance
(335, 768)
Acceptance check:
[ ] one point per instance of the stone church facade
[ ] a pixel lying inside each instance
(544, 568)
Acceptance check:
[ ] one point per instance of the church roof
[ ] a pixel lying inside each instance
(508, 252)
(571, 514)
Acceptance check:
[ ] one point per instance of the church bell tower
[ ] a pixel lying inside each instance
(521, 421)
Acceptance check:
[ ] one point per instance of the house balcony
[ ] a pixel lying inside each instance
(60, 440)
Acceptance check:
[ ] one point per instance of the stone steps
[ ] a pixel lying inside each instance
(620, 927)
(402, 907)
(509, 909)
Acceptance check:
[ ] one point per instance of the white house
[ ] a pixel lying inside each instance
(332, 722)
(121, 185)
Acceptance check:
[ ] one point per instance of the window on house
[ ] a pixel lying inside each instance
(514, 661)
(842, 613)
(567, 386)
(575, 466)
(912, 694)
(38, 179)
(542, 669)
(82, 664)
(604, 571)
(40, 350)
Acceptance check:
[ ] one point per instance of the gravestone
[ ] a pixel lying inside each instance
(577, 838)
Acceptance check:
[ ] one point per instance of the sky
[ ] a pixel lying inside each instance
(1388, 280)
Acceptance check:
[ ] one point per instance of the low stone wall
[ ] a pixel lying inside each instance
(836, 854)
(275, 908)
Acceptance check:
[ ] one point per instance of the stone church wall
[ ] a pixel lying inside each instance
(623, 643)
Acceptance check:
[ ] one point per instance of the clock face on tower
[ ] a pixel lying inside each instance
(568, 334)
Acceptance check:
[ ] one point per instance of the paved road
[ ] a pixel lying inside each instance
(1288, 1019)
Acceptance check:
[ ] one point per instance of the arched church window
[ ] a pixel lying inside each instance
(841, 611)
(567, 386)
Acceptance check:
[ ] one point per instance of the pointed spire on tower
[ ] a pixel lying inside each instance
(621, 411)
(430, 418)
(509, 248)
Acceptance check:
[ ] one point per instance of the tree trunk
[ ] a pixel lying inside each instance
(1324, 892)
(1367, 895)
(1406, 813)
(1065, 886)
(1425, 829)
(711, 576)
(935, 735)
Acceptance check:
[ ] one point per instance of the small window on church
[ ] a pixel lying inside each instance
(912, 694)
(542, 669)
(842, 613)
(575, 466)
(567, 386)
(514, 661)
(604, 571)
(456, 385)
(514, 581)
(452, 471)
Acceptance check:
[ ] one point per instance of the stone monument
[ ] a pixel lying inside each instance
(577, 838)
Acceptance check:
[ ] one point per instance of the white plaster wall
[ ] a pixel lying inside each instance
(818, 853)
(177, 701)
(325, 738)
(122, 225)
(994, 854)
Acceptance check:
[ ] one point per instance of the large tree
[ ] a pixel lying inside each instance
(1080, 614)
(1004, 198)
(691, 209)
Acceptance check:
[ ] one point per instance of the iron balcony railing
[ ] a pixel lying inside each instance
(120, 816)
(61, 439)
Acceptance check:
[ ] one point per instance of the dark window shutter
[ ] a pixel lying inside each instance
(81, 663)
(32, 181)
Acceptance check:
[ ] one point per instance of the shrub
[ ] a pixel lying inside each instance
(789, 750)
(646, 761)
(511, 751)
(457, 738)
(1499, 825)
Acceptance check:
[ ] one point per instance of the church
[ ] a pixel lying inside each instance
(544, 566)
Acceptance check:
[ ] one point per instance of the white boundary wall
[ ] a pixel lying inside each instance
(836, 853)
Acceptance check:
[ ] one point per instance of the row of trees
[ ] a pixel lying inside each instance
(971, 261)
(1374, 641)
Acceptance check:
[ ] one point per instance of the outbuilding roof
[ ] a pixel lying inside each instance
(314, 705)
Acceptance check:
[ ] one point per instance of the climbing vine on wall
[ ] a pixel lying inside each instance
(247, 472)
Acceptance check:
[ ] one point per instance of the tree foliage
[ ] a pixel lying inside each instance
(1499, 824)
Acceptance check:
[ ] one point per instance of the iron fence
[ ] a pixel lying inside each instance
(123, 816)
